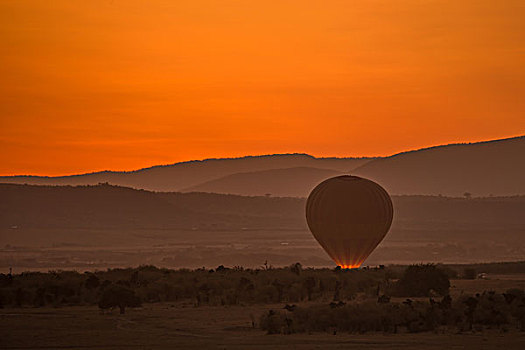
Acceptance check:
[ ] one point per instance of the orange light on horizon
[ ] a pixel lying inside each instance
(123, 85)
(344, 265)
(350, 266)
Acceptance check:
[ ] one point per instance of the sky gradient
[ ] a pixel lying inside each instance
(121, 85)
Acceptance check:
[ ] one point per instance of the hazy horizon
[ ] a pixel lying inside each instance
(467, 142)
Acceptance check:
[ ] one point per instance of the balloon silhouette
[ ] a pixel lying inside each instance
(349, 216)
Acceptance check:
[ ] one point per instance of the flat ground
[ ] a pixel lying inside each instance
(26, 249)
(497, 283)
(182, 326)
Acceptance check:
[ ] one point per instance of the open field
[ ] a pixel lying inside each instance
(96, 227)
(168, 326)
(88, 249)
(497, 283)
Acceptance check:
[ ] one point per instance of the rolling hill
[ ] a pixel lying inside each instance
(112, 207)
(289, 182)
(483, 169)
(176, 177)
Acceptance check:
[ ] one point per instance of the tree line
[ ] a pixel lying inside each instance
(220, 286)
(489, 309)
(129, 287)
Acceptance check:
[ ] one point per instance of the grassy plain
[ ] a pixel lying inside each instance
(169, 326)
(497, 283)
(98, 227)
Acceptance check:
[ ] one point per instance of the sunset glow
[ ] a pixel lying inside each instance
(121, 85)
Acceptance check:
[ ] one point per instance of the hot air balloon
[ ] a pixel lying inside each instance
(349, 216)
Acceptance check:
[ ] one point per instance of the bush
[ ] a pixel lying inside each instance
(421, 280)
(116, 295)
(272, 322)
(488, 309)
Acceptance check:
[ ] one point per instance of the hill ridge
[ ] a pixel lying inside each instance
(453, 145)
(188, 162)
(485, 167)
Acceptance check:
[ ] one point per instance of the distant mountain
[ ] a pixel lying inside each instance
(290, 182)
(482, 169)
(176, 177)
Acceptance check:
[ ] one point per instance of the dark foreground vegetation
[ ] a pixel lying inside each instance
(467, 313)
(220, 286)
(355, 301)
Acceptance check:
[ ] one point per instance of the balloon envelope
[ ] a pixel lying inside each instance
(349, 216)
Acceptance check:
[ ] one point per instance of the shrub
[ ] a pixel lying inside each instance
(420, 280)
(116, 295)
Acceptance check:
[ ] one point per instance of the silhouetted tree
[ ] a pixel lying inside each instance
(220, 268)
(116, 295)
(92, 282)
(280, 289)
(5, 280)
(519, 312)
(296, 268)
(266, 266)
(446, 302)
(309, 284)
(290, 308)
(134, 279)
(383, 299)
(419, 280)
(471, 304)
(272, 322)
(40, 297)
(337, 290)
(203, 294)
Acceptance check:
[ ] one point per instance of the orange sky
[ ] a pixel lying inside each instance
(93, 85)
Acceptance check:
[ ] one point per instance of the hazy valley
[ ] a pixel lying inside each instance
(91, 227)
